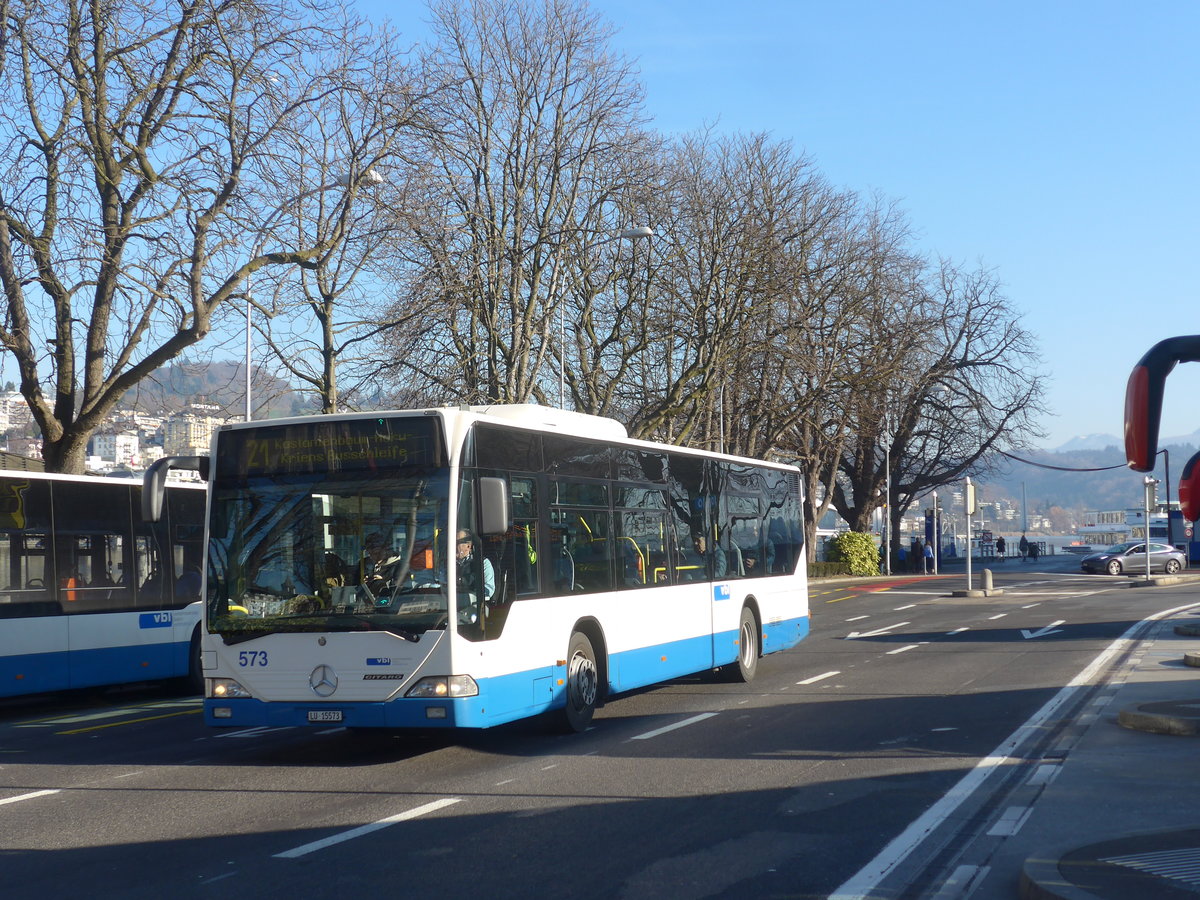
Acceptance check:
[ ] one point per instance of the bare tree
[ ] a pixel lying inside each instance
(141, 145)
(327, 315)
(534, 115)
(729, 218)
(830, 352)
(970, 386)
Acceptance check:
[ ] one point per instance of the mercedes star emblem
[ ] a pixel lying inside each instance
(323, 681)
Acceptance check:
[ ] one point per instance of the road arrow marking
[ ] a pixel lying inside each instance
(1052, 628)
(876, 632)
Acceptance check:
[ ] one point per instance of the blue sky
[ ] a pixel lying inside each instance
(1054, 142)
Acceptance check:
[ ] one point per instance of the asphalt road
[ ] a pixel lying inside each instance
(806, 781)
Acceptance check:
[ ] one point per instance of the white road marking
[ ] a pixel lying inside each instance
(962, 882)
(305, 849)
(1052, 628)
(1010, 822)
(906, 606)
(817, 678)
(657, 731)
(864, 882)
(74, 719)
(1000, 616)
(1044, 774)
(902, 649)
(252, 732)
(876, 632)
(960, 630)
(31, 796)
(856, 618)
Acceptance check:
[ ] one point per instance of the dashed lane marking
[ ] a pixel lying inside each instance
(29, 796)
(305, 849)
(657, 731)
(820, 677)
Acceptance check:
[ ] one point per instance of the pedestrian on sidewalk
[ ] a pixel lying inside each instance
(1000, 545)
(928, 559)
(1023, 547)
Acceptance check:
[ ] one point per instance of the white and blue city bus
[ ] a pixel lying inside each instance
(469, 567)
(90, 594)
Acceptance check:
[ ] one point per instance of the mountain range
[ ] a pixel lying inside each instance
(1085, 478)
(1101, 441)
(216, 383)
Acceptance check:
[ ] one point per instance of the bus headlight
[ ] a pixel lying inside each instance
(443, 687)
(226, 689)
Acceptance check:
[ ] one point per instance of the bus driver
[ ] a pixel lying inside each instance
(469, 574)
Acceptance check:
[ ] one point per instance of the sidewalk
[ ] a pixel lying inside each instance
(1110, 813)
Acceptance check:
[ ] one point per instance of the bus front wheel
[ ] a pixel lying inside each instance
(583, 683)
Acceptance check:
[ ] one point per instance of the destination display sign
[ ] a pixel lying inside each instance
(346, 446)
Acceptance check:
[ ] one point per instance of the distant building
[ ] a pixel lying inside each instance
(118, 448)
(26, 446)
(14, 411)
(188, 434)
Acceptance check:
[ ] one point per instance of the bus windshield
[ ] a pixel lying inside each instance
(338, 552)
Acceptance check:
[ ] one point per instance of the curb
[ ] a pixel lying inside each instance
(1175, 717)
(1161, 580)
(1098, 871)
(1041, 880)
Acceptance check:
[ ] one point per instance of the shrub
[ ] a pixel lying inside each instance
(826, 569)
(856, 552)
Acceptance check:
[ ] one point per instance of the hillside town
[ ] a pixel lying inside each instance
(129, 441)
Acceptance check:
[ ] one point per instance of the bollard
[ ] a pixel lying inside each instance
(987, 581)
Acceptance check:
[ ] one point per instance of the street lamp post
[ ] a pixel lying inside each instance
(937, 534)
(370, 176)
(887, 494)
(632, 234)
(1149, 484)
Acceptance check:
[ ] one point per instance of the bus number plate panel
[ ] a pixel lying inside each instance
(324, 715)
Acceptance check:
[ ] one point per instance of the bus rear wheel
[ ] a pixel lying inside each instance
(746, 666)
(583, 683)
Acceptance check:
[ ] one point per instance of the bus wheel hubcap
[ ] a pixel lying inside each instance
(582, 681)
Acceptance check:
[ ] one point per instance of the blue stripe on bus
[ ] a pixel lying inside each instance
(506, 698)
(34, 673)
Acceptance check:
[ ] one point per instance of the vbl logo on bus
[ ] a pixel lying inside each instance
(155, 620)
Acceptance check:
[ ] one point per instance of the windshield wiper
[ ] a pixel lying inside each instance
(240, 637)
(407, 634)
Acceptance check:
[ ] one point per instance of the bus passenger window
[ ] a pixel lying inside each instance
(641, 548)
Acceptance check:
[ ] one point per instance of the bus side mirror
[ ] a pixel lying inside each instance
(493, 506)
(1144, 395)
(1189, 489)
(154, 482)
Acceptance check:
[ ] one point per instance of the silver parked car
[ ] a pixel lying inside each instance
(1131, 557)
